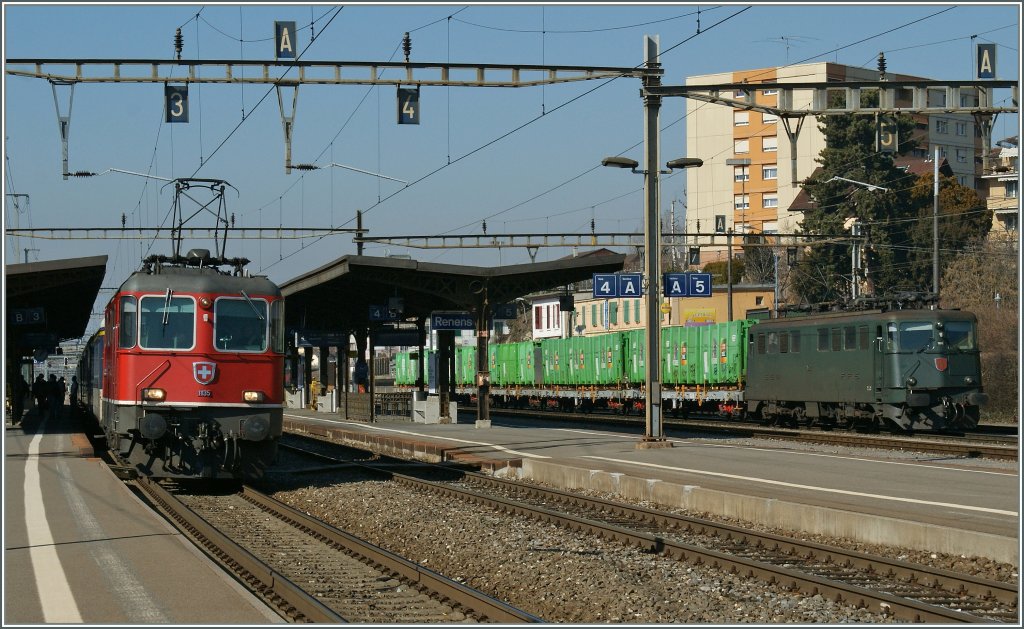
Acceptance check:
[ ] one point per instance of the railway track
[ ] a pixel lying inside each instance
(907, 591)
(311, 572)
(975, 446)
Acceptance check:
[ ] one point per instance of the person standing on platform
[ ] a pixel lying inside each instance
(73, 395)
(39, 393)
(54, 398)
(19, 391)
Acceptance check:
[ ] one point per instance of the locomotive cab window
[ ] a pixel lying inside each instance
(960, 335)
(129, 323)
(240, 325)
(166, 322)
(277, 326)
(915, 336)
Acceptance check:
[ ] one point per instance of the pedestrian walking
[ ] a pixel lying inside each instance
(73, 395)
(55, 397)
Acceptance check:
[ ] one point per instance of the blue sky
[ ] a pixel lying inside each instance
(539, 178)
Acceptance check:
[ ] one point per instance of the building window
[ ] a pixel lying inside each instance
(769, 92)
(961, 156)
(538, 318)
(771, 200)
(741, 173)
(769, 144)
(741, 201)
(593, 315)
(941, 126)
(613, 313)
(962, 180)
(961, 128)
(742, 146)
(1011, 189)
(771, 171)
(769, 118)
(636, 310)
(740, 94)
(741, 118)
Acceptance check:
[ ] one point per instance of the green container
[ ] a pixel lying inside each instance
(465, 365)
(634, 356)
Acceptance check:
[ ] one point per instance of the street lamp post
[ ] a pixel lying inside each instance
(654, 436)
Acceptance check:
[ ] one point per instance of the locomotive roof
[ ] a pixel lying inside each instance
(838, 318)
(198, 280)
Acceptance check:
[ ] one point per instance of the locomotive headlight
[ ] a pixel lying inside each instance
(911, 381)
(205, 302)
(252, 396)
(968, 380)
(154, 395)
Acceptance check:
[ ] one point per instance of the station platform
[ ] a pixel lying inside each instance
(79, 547)
(923, 502)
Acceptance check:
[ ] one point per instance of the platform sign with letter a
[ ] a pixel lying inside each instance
(700, 284)
(606, 285)
(630, 284)
(986, 61)
(285, 41)
(408, 105)
(676, 285)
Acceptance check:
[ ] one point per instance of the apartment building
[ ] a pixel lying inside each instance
(1003, 189)
(754, 190)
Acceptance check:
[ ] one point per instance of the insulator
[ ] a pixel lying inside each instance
(881, 65)
(591, 225)
(179, 41)
(124, 219)
(232, 219)
(406, 46)
(484, 225)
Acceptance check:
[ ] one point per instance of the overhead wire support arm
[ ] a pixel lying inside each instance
(313, 72)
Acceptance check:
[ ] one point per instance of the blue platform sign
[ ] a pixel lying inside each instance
(986, 61)
(176, 103)
(606, 285)
(676, 285)
(700, 284)
(380, 312)
(285, 41)
(408, 105)
(452, 321)
(630, 284)
(504, 312)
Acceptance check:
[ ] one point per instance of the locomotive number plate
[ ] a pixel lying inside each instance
(205, 393)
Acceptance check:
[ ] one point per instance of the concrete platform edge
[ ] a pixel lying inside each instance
(865, 528)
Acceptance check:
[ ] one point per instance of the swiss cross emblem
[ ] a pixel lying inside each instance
(204, 372)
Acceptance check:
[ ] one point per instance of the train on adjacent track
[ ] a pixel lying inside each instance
(185, 376)
(900, 365)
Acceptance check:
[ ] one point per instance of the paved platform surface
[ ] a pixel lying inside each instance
(79, 547)
(929, 502)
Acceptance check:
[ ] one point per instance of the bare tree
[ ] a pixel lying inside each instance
(985, 282)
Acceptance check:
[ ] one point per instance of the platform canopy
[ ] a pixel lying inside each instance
(339, 295)
(50, 300)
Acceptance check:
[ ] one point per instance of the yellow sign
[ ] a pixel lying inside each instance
(665, 308)
(700, 316)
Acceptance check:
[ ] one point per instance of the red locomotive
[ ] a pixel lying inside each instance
(185, 379)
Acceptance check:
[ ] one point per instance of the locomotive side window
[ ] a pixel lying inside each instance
(960, 335)
(240, 325)
(837, 339)
(849, 338)
(129, 323)
(277, 326)
(794, 342)
(760, 343)
(915, 336)
(167, 322)
(784, 343)
(773, 342)
(890, 342)
(822, 339)
(862, 334)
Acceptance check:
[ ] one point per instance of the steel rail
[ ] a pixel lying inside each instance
(290, 600)
(469, 598)
(905, 608)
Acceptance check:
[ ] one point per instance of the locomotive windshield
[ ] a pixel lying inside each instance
(240, 325)
(960, 335)
(166, 322)
(915, 335)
